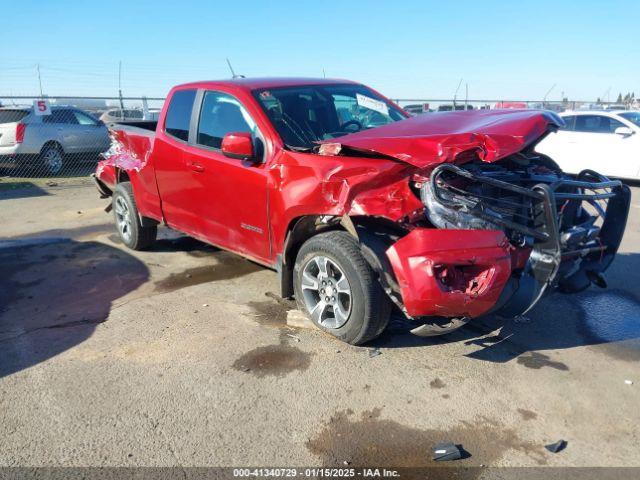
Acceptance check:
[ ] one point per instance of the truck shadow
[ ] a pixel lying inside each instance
(54, 292)
(12, 190)
(609, 319)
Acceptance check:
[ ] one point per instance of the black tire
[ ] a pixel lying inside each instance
(139, 237)
(370, 308)
(51, 159)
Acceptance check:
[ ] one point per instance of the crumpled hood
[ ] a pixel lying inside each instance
(434, 138)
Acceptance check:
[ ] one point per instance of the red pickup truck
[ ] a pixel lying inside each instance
(444, 216)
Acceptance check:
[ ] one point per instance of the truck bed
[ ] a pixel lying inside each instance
(134, 126)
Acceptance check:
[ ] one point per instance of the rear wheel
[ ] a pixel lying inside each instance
(339, 290)
(127, 219)
(52, 159)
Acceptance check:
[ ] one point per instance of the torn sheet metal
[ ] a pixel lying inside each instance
(122, 154)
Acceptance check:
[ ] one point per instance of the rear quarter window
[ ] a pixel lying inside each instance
(12, 116)
(178, 117)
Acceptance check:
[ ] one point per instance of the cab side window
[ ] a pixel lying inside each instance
(178, 117)
(221, 114)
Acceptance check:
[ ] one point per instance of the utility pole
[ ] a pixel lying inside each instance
(39, 79)
(466, 95)
(120, 86)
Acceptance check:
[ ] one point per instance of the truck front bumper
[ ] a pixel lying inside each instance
(451, 273)
(468, 273)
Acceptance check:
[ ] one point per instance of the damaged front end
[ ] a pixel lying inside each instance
(507, 233)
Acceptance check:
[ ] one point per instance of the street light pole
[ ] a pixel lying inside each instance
(39, 80)
(120, 87)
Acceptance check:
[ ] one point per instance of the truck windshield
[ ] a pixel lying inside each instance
(311, 113)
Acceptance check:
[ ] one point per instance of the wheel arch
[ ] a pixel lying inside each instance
(299, 230)
(373, 234)
(52, 143)
(122, 176)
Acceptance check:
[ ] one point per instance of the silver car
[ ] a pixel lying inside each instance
(47, 142)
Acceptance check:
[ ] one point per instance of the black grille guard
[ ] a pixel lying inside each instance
(545, 197)
(540, 217)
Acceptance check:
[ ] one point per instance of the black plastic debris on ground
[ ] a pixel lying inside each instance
(447, 451)
(557, 446)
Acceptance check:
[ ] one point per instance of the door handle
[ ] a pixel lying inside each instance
(196, 167)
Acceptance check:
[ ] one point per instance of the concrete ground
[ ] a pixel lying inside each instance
(181, 355)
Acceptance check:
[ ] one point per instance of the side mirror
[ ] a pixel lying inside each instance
(624, 131)
(238, 145)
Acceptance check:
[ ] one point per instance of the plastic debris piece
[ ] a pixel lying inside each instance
(522, 319)
(374, 352)
(293, 336)
(205, 304)
(629, 382)
(444, 452)
(556, 447)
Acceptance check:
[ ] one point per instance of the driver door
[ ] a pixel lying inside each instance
(229, 195)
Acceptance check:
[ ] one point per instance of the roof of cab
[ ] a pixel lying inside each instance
(267, 82)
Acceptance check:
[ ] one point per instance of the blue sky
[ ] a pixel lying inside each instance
(406, 49)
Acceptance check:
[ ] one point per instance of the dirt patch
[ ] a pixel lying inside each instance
(537, 361)
(272, 312)
(273, 360)
(437, 383)
(527, 414)
(229, 266)
(369, 440)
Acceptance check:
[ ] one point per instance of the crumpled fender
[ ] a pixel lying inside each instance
(336, 186)
(450, 273)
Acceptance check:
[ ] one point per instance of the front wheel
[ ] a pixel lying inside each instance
(125, 213)
(339, 290)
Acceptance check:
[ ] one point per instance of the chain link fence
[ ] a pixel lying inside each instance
(44, 137)
(62, 137)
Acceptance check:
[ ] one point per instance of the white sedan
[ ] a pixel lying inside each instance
(605, 141)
